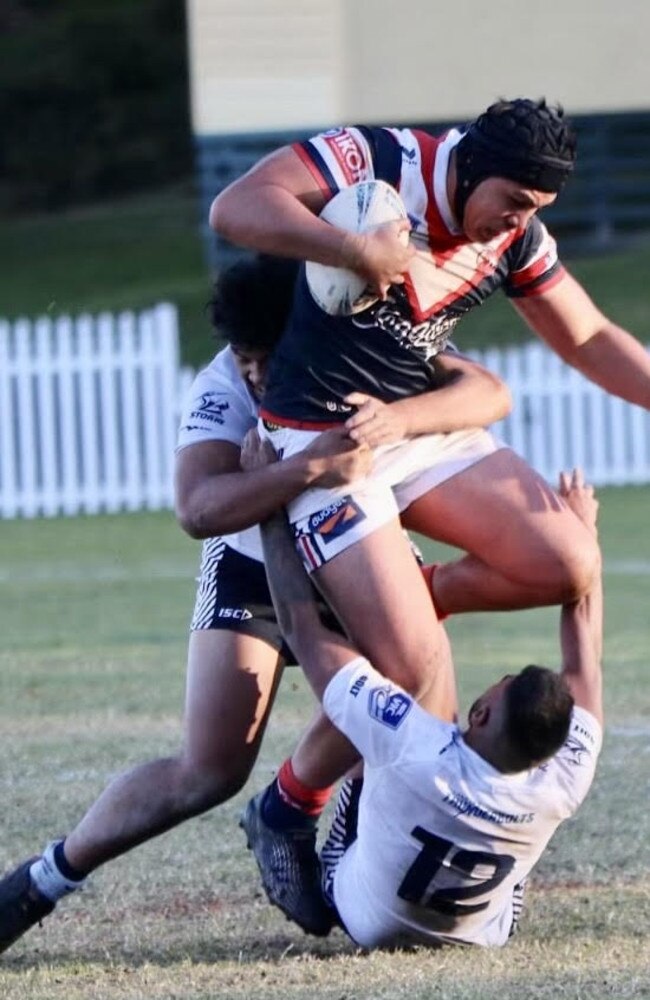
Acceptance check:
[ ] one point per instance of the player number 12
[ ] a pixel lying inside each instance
(438, 853)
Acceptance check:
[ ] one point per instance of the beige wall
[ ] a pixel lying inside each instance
(261, 65)
(257, 65)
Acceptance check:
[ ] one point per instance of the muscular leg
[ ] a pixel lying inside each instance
(526, 548)
(231, 682)
(377, 591)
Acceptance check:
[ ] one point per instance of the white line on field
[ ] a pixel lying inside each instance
(73, 573)
(105, 573)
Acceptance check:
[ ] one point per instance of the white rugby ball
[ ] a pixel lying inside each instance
(358, 208)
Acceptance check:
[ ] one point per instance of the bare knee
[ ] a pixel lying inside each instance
(199, 786)
(571, 575)
(583, 571)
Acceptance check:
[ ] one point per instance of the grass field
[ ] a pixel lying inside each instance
(132, 253)
(93, 616)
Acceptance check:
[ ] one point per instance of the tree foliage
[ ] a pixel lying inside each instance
(93, 99)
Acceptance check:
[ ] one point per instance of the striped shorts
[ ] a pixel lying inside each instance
(233, 594)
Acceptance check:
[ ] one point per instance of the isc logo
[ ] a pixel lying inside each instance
(241, 613)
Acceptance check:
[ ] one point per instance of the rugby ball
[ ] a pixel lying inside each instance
(359, 209)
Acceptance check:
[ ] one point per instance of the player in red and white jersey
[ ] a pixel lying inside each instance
(321, 358)
(473, 200)
(434, 845)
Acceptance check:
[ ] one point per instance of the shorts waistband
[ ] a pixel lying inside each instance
(272, 422)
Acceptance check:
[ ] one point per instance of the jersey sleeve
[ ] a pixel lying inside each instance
(337, 158)
(377, 716)
(575, 763)
(214, 411)
(535, 265)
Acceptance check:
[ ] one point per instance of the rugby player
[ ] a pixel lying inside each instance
(433, 846)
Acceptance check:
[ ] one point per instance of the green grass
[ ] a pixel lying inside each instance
(135, 252)
(126, 254)
(93, 617)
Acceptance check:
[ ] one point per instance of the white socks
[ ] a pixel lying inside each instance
(48, 879)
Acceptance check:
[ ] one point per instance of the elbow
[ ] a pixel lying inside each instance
(223, 216)
(498, 397)
(215, 217)
(191, 521)
(190, 526)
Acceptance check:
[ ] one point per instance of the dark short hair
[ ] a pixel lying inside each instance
(538, 713)
(252, 300)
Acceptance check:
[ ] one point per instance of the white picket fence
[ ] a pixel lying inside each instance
(560, 419)
(89, 414)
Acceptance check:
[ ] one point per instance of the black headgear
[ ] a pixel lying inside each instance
(525, 141)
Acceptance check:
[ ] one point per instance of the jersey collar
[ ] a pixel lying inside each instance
(440, 167)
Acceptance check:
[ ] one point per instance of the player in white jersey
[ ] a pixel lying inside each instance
(436, 842)
(236, 653)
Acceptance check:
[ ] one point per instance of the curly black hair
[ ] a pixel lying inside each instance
(252, 300)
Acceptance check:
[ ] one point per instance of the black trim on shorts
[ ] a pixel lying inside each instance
(233, 594)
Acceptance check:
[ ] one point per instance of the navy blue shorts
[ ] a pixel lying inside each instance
(233, 594)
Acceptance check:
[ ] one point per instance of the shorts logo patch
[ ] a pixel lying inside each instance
(389, 706)
(358, 684)
(241, 614)
(334, 520)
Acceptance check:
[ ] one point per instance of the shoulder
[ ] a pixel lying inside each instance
(570, 772)
(222, 376)
(218, 405)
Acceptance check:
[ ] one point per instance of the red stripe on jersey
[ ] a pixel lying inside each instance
(313, 169)
(485, 266)
(428, 149)
(545, 285)
(545, 263)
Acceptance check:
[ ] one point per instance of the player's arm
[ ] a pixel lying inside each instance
(571, 324)
(214, 497)
(470, 396)
(581, 623)
(320, 652)
(274, 208)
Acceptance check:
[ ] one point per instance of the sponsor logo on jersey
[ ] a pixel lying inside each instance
(211, 408)
(465, 807)
(427, 338)
(388, 706)
(241, 614)
(347, 154)
(334, 520)
(574, 750)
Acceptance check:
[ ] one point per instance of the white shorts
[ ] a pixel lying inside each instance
(328, 521)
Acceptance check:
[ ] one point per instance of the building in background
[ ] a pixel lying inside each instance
(265, 71)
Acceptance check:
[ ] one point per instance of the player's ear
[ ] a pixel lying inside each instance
(479, 714)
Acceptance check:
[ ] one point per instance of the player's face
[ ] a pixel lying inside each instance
(498, 205)
(252, 364)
